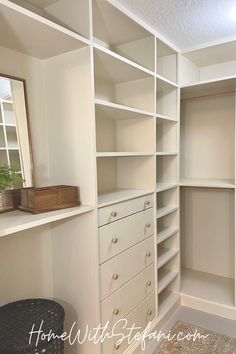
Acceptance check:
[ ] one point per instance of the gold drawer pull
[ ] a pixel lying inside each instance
(149, 312)
(115, 240)
(148, 254)
(116, 312)
(148, 225)
(115, 276)
(114, 214)
(116, 346)
(147, 203)
(149, 283)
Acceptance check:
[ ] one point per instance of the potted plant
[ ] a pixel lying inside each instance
(9, 178)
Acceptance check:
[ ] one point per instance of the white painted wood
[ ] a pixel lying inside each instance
(207, 183)
(166, 169)
(166, 137)
(166, 99)
(66, 96)
(122, 154)
(160, 187)
(125, 266)
(165, 234)
(165, 255)
(167, 299)
(115, 173)
(140, 317)
(166, 210)
(128, 296)
(201, 144)
(111, 213)
(123, 35)
(71, 14)
(117, 111)
(117, 237)
(17, 221)
(54, 38)
(26, 264)
(208, 286)
(124, 136)
(166, 61)
(74, 260)
(207, 230)
(120, 195)
(165, 277)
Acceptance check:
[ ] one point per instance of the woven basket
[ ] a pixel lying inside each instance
(17, 320)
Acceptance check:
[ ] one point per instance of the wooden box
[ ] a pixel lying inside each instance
(40, 200)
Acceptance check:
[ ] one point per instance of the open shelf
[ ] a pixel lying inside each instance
(207, 135)
(160, 187)
(166, 210)
(120, 132)
(121, 83)
(72, 15)
(207, 183)
(166, 99)
(166, 233)
(209, 63)
(124, 173)
(166, 61)
(165, 277)
(166, 118)
(165, 255)
(166, 169)
(119, 33)
(207, 286)
(118, 111)
(16, 221)
(166, 137)
(166, 300)
(120, 195)
(54, 39)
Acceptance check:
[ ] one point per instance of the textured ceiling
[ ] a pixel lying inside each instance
(186, 23)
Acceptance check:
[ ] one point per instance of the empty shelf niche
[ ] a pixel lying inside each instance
(126, 176)
(208, 133)
(71, 14)
(167, 250)
(168, 298)
(207, 244)
(211, 63)
(166, 169)
(119, 33)
(167, 202)
(119, 130)
(121, 83)
(166, 61)
(166, 99)
(167, 274)
(167, 226)
(166, 136)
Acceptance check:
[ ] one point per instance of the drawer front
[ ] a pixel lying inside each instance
(118, 270)
(120, 235)
(119, 304)
(141, 316)
(117, 211)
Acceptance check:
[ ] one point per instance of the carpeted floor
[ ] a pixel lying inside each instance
(214, 344)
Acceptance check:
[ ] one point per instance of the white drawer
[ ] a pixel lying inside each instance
(122, 234)
(117, 211)
(128, 296)
(141, 316)
(118, 270)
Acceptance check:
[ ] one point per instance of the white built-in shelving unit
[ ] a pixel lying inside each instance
(104, 106)
(117, 85)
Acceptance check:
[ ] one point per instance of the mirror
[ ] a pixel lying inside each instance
(15, 144)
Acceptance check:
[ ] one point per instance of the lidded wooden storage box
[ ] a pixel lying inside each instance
(39, 200)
